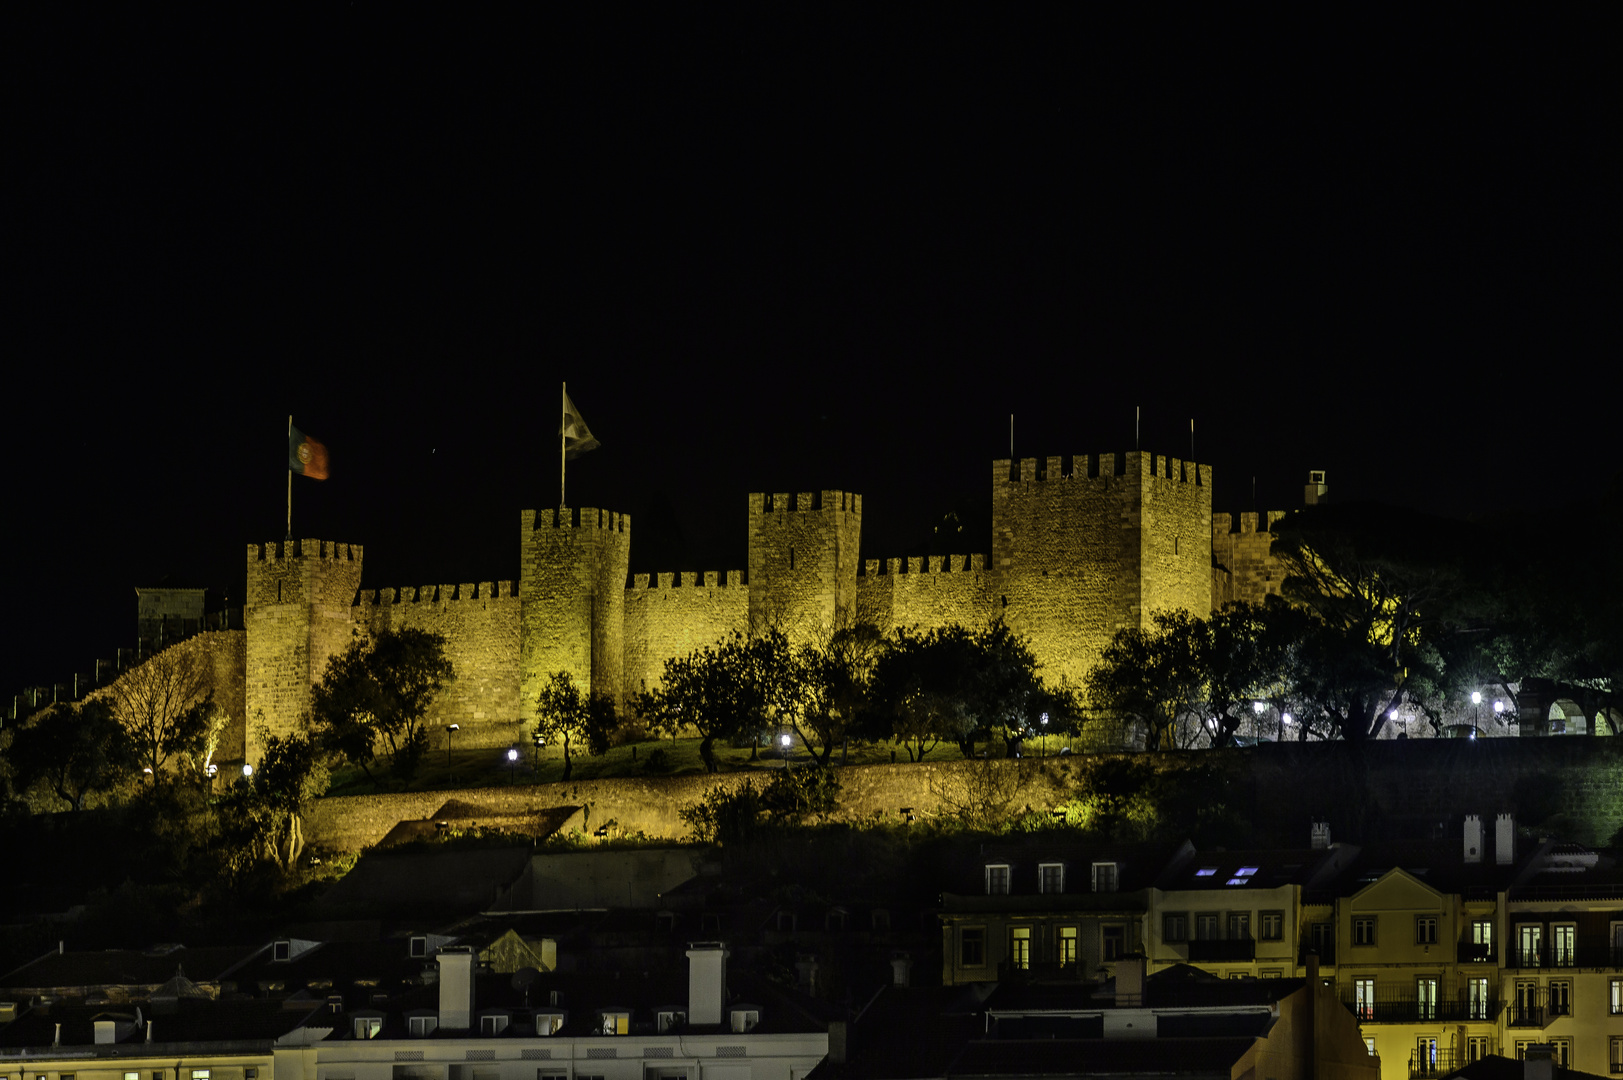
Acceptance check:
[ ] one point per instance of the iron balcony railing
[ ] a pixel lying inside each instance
(1522, 1015)
(1583, 955)
(1443, 1060)
(1416, 1010)
(1471, 952)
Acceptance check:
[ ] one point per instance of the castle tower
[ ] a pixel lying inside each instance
(803, 562)
(296, 610)
(572, 597)
(1077, 556)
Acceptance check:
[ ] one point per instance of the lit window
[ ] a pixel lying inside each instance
(1051, 878)
(366, 1027)
(1479, 1002)
(549, 1023)
(1067, 945)
(1616, 989)
(1020, 947)
(745, 1020)
(616, 1023)
(1206, 871)
(1104, 877)
(1245, 871)
(132, 1076)
(997, 880)
(1364, 998)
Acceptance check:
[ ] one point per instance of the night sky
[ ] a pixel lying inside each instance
(777, 253)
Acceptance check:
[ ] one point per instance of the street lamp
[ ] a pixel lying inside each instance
(450, 729)
(247, 770)
(512, 764)
(540, 740)
(783, 741)
(1044, 721)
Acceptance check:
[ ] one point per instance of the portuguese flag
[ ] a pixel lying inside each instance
(306, 456)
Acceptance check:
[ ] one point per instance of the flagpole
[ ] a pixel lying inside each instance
(290, 484)
(563, 416)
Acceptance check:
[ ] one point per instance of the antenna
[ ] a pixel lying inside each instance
(1138, 411)
(1011, 436)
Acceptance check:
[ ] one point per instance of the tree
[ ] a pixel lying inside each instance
(721, 691)
(563, 714)
(381, 687)
(263, 817)
(74, 750)
(831, 685)
(165, 705)
(1154, 677)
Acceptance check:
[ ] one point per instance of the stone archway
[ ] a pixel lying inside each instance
(1566, 717)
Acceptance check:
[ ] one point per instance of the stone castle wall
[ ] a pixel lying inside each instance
(1571, 788)
(1243, 566)
(223, 655)
(925, 592)
(572, 615)
(803, 562)
(675, 615)
(1175, 536)
(480, 623)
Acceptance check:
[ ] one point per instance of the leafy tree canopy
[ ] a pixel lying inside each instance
(565, 716)
(381, 688)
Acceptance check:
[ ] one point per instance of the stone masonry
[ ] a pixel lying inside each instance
(1076, 554)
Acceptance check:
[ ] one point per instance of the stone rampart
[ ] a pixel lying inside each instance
(803, 561)
(676, 615)
(1570, 787)
(480, 623)
(1243, 566)
(223, 657)
(925, 591)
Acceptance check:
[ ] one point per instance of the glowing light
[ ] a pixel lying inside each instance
(1257, 707)
(247, 769)
(1476, 697)
(1393, 715)
(512, 755)
(783, 740)
(1498, 706)
(1286, 717)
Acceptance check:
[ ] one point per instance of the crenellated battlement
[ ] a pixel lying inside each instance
(281, 550)
(1100, 466)
(438, 594)
(805, 502)
(575, 517)
(1223, 524)
(688, 579)
(922, 564)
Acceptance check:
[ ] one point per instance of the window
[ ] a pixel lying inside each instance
(1560, 997)
(1243, 875)
(1175, 927)
(672, 1019)
(1563, 1051)
(1104, 877)
(1364, 998)
(1271, 973)
(1481, 939)
(1425, 1054)
(548, 1023)
(615, 1023)
(1617, 1055)
(1051, 878)
(1478, 1047)
(1323, 937)
(493, 1025)
(1564, 944)
(1426, 997)
(972, 947)
(1206, 926)
(1363, 931)
(542, 1074)
(1066, 945)
(250, 1073)
(1425, 929)
(1271, 926)
(1112, 941)
(366, 1027)
(281, 950)
(1239, 926)
(1369, 1045)
(132, 1076)
(199, 1074)
(745, 1020)
(419, 947)
(1206, 871)
(1530, 944)
(422, 1025)
(997, 880)
(1616, 998)
(1478, 1003)
(1020, 947)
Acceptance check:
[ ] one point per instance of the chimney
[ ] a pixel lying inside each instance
(1321, 835)
(456, 988)
(1504, 839)
(56, 1040)
(1315, 491)
(1473, 838)
(901, 969)
(837, 1035)
(149, 1031)
(806, 974)
(105, 1032)
(1539, 1064)
(1130, 981)
(707, 981)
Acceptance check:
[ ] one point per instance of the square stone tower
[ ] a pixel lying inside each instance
(1078, 555)
(297, 612)
(803, 556)
(572, 599)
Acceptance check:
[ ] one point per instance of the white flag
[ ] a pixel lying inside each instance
(577, 436)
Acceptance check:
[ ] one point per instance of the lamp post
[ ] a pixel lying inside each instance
(1257, 709)
(512, 765)
(783, 741)
(450, 729)
(1044, 721)
(540, 740)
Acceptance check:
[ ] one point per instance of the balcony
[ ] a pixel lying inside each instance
(1472, 953)
(1525, 1015)
(1410, 1009)
(1222, 952)
(1439, 1062)
(1583, 956)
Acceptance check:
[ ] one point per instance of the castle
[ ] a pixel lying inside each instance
(1075, 555)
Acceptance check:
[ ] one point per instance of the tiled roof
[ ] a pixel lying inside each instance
(124, 967)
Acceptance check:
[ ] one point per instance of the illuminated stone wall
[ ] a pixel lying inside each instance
(803, 557)
(1243, 567)
(675, 615)
(925, 592)
(572, 593)
(480, 623)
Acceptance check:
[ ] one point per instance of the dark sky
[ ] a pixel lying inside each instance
(776, 253)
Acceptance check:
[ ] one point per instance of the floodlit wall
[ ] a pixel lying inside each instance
(1243, 566)
(675, 615)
